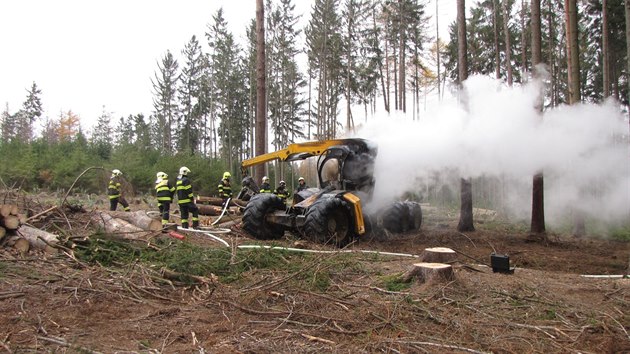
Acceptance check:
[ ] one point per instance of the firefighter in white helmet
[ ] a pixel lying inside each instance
(185, 199)
(265, 187)
(115, 193)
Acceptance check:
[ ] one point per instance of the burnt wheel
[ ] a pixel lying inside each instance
(415, 216)
(254, 217)
(328, 221)
(396, 217)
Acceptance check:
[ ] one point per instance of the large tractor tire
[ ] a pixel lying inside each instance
(254, 217)
(415, 216)
(328, 221)
(396, 218)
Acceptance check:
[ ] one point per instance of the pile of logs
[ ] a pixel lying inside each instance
(14, 232)
(10, 219)
(213, 206)
(128, 225)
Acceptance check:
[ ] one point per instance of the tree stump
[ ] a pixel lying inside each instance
(430, 273)
(22, 245)
(438, 255)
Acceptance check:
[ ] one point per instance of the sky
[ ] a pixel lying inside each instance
(94, 57)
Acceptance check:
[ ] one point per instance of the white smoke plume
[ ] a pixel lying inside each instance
(582, 150)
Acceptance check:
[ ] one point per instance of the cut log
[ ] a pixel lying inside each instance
(35, 237)
(10, 222)
(219, 201)
(22, 245)
(209, 210)
(8, 209)
(438, 255)
(138, 218)
(119, 227)
(430, 273)
(3, 232)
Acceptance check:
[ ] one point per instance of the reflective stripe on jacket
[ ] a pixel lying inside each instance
(184, 190)
(225, 189)
(113, 189)
(164, 191)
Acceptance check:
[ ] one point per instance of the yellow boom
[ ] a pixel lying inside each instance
(297, 151)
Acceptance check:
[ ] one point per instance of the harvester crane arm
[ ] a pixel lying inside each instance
(293, 152)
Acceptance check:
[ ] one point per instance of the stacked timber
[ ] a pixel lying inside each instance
(219, 201)
(10, 219)
(14, 232)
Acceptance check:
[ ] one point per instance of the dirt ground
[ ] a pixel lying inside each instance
(52, 303)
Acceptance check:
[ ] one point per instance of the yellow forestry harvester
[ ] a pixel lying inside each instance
(334, 212)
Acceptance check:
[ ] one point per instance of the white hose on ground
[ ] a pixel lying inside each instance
(216, 238)
(225, 207)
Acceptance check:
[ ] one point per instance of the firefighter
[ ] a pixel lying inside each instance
(225, 188)
(164, 191)
(282, 191)
(301, 184)
(265, 187)
(185, 199)
(114, 192)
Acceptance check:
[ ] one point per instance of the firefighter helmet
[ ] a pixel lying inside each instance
(184, 171)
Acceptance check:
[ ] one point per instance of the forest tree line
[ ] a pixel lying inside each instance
(376, 54)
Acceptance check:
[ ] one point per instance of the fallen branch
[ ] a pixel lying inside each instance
(312, 338)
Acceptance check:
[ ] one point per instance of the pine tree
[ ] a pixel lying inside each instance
(164, 102)
(188, 94)
(26, 117)
(101, 135)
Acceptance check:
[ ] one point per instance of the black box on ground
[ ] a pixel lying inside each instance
(500, 263)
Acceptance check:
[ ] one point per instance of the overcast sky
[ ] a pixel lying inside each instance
(86, 55)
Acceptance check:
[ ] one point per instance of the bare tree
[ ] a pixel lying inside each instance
(466, 214)
(605, 50)
(261, 106)
(508, 44)
(538, 200)
(573, 62)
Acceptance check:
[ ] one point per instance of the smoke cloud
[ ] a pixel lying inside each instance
(582, 150)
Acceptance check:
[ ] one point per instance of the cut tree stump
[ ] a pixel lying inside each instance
(138, 218)
(3, 232)
(438, 255)
(430, 273)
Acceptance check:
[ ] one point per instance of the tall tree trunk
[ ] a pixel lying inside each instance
(573, 61)
(508, 45)
(523, 41)
(495, 30)
(552, 57)
(573, 51)
(437, 47)
(466, 214)
(628, 49)
(605, 50)
(462, 48)
(538, 202)
(261, 104)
